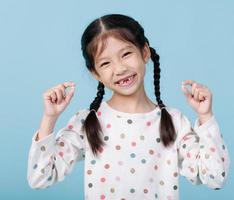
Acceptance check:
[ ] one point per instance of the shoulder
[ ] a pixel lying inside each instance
(174, 112)
(79, 116)
(180, 120)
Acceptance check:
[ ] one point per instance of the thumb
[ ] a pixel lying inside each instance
(70, 94)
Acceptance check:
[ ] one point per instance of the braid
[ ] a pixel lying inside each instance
(155, 57)
(167, 130)
(92, 125)
(98, 99)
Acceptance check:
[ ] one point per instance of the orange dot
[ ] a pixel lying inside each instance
(191, 169)
(151, 151)
(107, 166)
(175, 174)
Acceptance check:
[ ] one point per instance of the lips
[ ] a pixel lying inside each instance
(124, 78)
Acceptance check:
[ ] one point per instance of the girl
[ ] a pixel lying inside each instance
(132, 147)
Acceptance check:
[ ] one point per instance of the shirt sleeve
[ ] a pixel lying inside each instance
(52, 157)
(203, 155)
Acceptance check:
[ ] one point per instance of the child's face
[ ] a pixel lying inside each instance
(118, 60)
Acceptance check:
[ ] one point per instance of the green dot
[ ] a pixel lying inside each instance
(133, 155)
(93, 162)
(132, 190)
(175, 187)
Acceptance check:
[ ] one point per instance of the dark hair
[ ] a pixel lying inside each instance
(127, 29)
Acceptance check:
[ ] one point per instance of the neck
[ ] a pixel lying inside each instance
(135, 103)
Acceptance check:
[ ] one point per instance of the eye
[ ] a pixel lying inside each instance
(105, 63)
(126, 53)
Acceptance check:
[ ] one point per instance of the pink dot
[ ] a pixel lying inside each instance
(103, 179)
(100, 149)
(212, 149)
(120, 162)
(133, 144)
(103, 196)
(148, 123)
(70, 126)
(99, 113)
(169, 197)
(61, 153)
(108, 126)
(188, 155)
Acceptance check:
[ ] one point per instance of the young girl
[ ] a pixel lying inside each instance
(133, 148)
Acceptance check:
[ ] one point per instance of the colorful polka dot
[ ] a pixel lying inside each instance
(43, 148)
(70, 126)
(129, 121)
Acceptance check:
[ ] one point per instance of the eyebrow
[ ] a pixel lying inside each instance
(126, 47)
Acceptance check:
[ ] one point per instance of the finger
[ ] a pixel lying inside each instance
(53, 96)
(63, 88)
(59, 94)
(201, 96)
(196, 93)
(70, 94)
(188, 82)
(186, 92)
(205, 91)
(195, 86)
(69, 84)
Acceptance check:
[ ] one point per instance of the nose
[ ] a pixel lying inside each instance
(119, 68)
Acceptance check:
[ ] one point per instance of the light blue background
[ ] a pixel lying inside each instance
(40, 47)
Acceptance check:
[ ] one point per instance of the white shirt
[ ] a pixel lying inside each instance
(134, 164)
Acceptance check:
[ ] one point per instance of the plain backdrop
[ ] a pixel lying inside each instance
(40, 48)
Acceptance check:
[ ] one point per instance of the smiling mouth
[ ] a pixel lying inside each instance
(126, 82)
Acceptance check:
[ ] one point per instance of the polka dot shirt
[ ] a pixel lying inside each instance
(133, 164)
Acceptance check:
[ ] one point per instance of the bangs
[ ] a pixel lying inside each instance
(96, 47)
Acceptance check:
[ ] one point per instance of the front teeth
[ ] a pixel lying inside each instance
(126, 80)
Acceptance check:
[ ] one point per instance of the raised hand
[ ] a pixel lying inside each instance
(56, 100)
(200, 99)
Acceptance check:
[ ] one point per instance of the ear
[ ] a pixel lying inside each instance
(146, 53)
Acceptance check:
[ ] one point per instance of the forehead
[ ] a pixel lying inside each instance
(111, 45)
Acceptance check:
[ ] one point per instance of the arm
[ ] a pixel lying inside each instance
(52, 157)
(203, 155)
